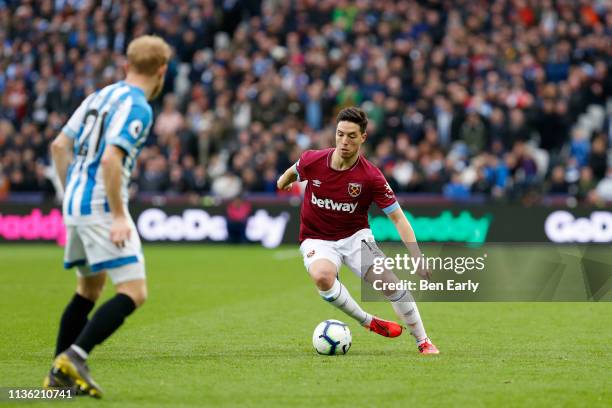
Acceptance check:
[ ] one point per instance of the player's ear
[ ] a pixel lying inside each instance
(162, 70)
(364, 137)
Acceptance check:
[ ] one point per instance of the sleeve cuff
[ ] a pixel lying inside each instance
(69, 132)
(122, 143)
(297, 173)
(388, 210)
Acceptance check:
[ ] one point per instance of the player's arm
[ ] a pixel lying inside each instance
(112, 168)
(61, 152)
(287, 178)
(61, 147)
(385, 199)
(297, 172)
(406, 233)
(123, 135)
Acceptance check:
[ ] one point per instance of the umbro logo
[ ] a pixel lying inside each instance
(316, 183)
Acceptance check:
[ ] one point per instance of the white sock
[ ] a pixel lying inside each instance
(82, 353)
(406, 309)
(340, 297)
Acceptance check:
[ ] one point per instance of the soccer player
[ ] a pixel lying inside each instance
(94, 155)
(334, 224)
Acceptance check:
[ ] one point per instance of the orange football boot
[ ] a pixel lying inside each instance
(385, 328)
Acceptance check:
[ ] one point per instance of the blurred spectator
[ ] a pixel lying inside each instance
(598, 159)
(154, 178)
(227, 186)
(238, 211)
(557, 183)
(473, 133)
(456, 190)
(586, 183)
(199, 182)
(604, 187)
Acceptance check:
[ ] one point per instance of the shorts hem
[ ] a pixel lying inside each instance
(80, 262)
(114, 263)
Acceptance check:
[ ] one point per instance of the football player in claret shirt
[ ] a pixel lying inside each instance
(334, 225)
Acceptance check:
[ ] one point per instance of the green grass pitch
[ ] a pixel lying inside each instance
(231, 327)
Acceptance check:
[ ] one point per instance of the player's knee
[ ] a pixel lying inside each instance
(324, 279)
(142, 296)
(136, 291)
(90, 288)
(139, 296)
(91, 293)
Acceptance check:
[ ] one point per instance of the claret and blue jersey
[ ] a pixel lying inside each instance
(119, 115)
(336, 202)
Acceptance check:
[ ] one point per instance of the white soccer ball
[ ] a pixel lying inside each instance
(332, 337)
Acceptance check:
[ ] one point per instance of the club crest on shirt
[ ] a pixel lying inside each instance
(354, 189)
(316, 183)
(389, 192)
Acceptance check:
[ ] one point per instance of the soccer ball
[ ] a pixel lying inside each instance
(332, 337)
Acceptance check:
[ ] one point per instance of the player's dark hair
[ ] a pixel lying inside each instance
(355, 115)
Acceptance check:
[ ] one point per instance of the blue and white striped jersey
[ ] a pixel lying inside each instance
(119, 115)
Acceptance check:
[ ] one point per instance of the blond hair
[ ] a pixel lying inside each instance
(147, 53)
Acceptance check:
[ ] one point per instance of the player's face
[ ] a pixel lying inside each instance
(348, 139)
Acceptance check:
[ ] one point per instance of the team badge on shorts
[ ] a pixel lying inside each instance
(354, 189)
(310, 254)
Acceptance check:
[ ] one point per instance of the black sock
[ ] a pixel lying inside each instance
(72, 322)
(105, 321)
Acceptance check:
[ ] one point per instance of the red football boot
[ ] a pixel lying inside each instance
(385, 327)
(428, 348)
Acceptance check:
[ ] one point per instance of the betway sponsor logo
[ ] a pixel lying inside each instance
(329, 204)
(197, 225)
(562, 226)
(33, 227)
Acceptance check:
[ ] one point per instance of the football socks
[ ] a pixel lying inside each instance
(406, 309)
(340, 297)
(107, 319)
(72, 322)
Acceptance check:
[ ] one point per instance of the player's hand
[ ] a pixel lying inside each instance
(120, 231)
(424, 273)
(280, 186)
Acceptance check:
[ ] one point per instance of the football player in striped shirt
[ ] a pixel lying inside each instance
(94, 155)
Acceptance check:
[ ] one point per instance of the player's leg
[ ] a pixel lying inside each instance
(359, 252)
(110, 316)
(324, 273)
(126, 269)
(104, 322)
(322, 261)
(125, 266)
(88, 289)
(350, 250)
(74, 318)
(406, 309)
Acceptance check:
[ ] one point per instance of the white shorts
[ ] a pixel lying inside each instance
(346, 251)
(89, 248)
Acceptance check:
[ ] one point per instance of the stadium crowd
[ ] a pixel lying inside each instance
(504, 98)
